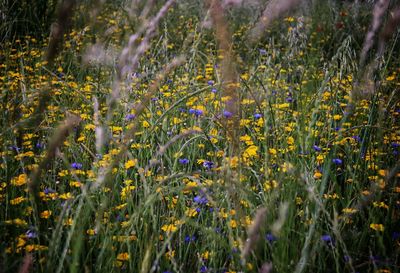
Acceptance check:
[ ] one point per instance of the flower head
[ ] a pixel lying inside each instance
(76, 166)
(183, 161)
(337, 161)
(227, 114)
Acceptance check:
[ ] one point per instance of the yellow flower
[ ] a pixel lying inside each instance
(377, 227)
(20, 180)
(124, 256)
(191, 212)
(317, 174)
(145, 124)
(169, 228)
(391, 78)
(17, 200)
(233, 162)
(290, 140)
(337, 117)
(251, 151)
(349, 210)
(91, 232)
(380, 205)
(130, 163)
(272, 151)
(45, 214)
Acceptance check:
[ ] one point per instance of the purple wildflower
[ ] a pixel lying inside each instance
(227, 114)
(337, 161)
(183, 161)
(130, 116)
(257, 115)
(76, 166)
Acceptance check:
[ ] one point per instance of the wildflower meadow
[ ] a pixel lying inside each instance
(200, 136)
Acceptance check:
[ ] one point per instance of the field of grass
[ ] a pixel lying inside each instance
(178, 141)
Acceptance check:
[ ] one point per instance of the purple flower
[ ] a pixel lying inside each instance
(208, 164)
(214, 90)
(15, 148)
(48, 191)
(210, 82)
(316, 148)
(227, 114)
(327, 239)
(337, 161)
(39, 145)
(262, 51)
(76, 166)
(203, 269)
(196, 112)
(270, 238)
(31, 234)
(130, 116)
(257, 116)
(200, 199)
(189, 238)
(183, 161)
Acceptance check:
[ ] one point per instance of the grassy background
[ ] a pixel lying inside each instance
(180, 161)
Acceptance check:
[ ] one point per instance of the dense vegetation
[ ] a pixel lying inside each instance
(177, 141)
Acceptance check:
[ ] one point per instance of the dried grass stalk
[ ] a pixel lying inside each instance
(58, 28)
(379, 10)
(26, 264)
(274, 10)
(389, 28)
(58, 139)
(266, 268)
(253, 232)
(228, 74)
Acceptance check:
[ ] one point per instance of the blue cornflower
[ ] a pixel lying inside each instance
(270, 238)
(227, 114)
(189, 238)
(130, 116)
(200, 199)
(316, 148)
(183, 161)
(15, 148)
(327, 239)
(257, 116)
(337, 161)
(208, 164)
(196, 112)
(48, 191)
(39, 145)
(31, 234)
(76, 166)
